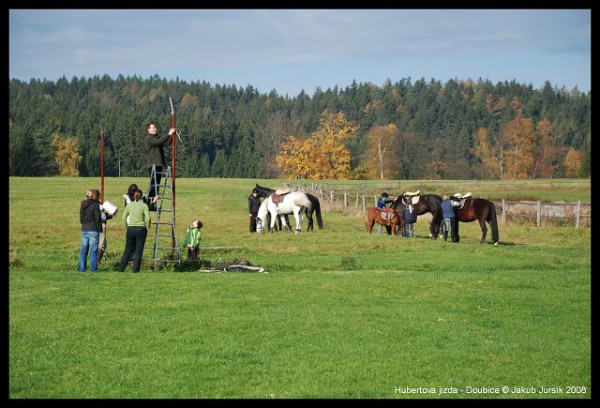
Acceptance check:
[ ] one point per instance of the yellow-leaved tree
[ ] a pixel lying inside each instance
(520, 143)
(381, 160)
(490, 152)
(572, 163)
(322, 156)
(66, 155)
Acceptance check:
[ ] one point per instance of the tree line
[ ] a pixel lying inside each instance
(403, 130)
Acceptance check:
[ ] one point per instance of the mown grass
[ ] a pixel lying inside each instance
(340, 314)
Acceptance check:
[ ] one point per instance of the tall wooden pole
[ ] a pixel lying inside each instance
(101, 164)
(173, 150)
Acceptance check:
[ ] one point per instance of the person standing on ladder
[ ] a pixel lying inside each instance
(155, 156)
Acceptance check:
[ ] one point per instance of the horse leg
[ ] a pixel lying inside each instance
(298, 217)
(273, 220)
(483, 230)
(369, 224)
(284, 222)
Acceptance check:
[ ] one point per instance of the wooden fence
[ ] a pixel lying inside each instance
(579, 214)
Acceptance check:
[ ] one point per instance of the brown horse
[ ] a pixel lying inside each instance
(374, 215)
(483, 211)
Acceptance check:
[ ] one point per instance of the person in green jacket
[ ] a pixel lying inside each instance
(136, 218)
(191, 240)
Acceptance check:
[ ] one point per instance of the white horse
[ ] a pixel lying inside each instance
(295, 202)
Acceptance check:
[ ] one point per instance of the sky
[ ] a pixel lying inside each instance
(295, 50)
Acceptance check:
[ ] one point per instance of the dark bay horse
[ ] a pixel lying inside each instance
(316, 206)
(483, 211)
(428, 203)
(375, 216)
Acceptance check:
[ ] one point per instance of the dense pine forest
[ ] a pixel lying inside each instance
(403, 130)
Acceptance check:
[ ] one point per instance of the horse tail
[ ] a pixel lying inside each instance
(317, 210)
(494, 223)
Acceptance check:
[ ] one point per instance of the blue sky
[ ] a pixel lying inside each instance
(290, 50)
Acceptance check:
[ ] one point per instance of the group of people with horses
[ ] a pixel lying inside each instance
(398, 218)
(446, 212)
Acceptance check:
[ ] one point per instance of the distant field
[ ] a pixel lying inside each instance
(340, 313)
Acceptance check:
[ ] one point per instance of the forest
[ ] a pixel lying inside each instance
(461, 129)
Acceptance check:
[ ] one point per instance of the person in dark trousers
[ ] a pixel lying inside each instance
(410, 217)
(253, 206)
(136, 218)
(450, 220)
(155, 156)
(90, 217)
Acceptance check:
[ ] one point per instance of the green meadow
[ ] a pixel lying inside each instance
(338, 314)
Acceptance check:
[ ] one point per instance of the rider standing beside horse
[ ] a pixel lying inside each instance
(450, 220)
(253, 207)
(423, 203)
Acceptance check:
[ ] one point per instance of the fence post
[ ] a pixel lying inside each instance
(363, 203)
(539, 213)
(345, 199)
(578, 214)
(503, 211)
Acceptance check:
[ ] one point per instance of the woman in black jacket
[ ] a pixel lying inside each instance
(91, 226)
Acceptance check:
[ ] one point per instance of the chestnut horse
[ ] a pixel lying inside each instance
(374, 215)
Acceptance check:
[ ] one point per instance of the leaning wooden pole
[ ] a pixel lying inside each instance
(101, 164)
(173, 150)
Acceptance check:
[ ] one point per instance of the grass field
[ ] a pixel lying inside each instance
(339, 313)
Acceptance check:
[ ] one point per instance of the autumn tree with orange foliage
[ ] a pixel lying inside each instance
(66, 155)
(572, 163)
(520, 150)
(323, 155)
(521, 141)
(490, 152)
(381, 160)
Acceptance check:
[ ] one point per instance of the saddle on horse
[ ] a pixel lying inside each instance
(411, 197)
(387, 214)
(462, 198)
(279, 195)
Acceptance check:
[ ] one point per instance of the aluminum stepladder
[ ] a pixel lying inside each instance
(165, 236)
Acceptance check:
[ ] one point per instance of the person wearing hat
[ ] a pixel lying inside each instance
(253, 206)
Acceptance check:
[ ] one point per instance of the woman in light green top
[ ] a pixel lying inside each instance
(136, 218)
